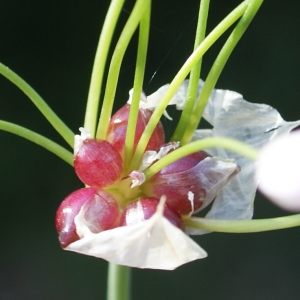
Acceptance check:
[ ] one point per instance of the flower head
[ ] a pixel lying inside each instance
(119, 208)
(144, 211)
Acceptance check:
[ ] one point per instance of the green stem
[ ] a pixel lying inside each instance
(194, 76)
(212, 142)
(119, 278)
(38, 101)
(99, 64)
(138, 85)
(217, 68)
(34, 137)
(180, 76)
(115, 65)
(243, 226)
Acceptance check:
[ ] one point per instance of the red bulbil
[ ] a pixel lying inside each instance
(97, 163)
(118, 126)
(175, 181)
(99, 209)
(144, 208)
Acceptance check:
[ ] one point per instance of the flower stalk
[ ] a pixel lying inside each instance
(40, 103)
(218, 66)
(115, 65)
(222, 27)
(91, 113)
(119, 282)
(244, 226)
(195, 73)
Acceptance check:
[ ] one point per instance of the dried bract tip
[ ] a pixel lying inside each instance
(78, 139)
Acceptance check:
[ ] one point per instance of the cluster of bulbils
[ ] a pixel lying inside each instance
(112, 198)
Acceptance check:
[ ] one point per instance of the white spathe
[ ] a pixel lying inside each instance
(154, 243)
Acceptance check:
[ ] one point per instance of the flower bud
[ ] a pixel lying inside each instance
(118, 126)
(97, 163)
(98, 207)
(190, 183)
(144, 208)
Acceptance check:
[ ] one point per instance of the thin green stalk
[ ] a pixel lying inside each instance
(40, 140)
(180, 76)
(138, 85)
(243, 226)
(38, 101)
(108, 29)
(119, 279)
(115, 65)
(206, 143)
(217, 68)
(194, 75)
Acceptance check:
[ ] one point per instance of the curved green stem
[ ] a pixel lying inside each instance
(38, 101)
(114, 70)
(99, 64)
(194, 76)
(34, 137)
(119, 278)
(206, 143)
(217, 68)
(181, 75)
(137, 86)
(243, 226)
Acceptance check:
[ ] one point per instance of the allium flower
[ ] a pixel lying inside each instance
(113, 218)
(127, 221)
(278, 171)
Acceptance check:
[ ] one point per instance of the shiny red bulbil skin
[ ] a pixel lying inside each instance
(97, 163)
(144, 209)
(118, 126)
(175, 181)
(100, 210)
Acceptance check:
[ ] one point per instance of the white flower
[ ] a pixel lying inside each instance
(278, 171)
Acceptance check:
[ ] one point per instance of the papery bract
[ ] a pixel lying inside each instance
(191, 182)
(144, 208)
(154, 243)
(278, 171)
(97, 206)
(232, 116)
(98, 163)
(118, 126)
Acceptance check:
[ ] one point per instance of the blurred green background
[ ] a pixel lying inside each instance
(51, 44)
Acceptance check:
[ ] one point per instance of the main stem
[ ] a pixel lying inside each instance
(119, 282)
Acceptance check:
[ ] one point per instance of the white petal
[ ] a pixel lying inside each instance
(278, 171)
(154, 244)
